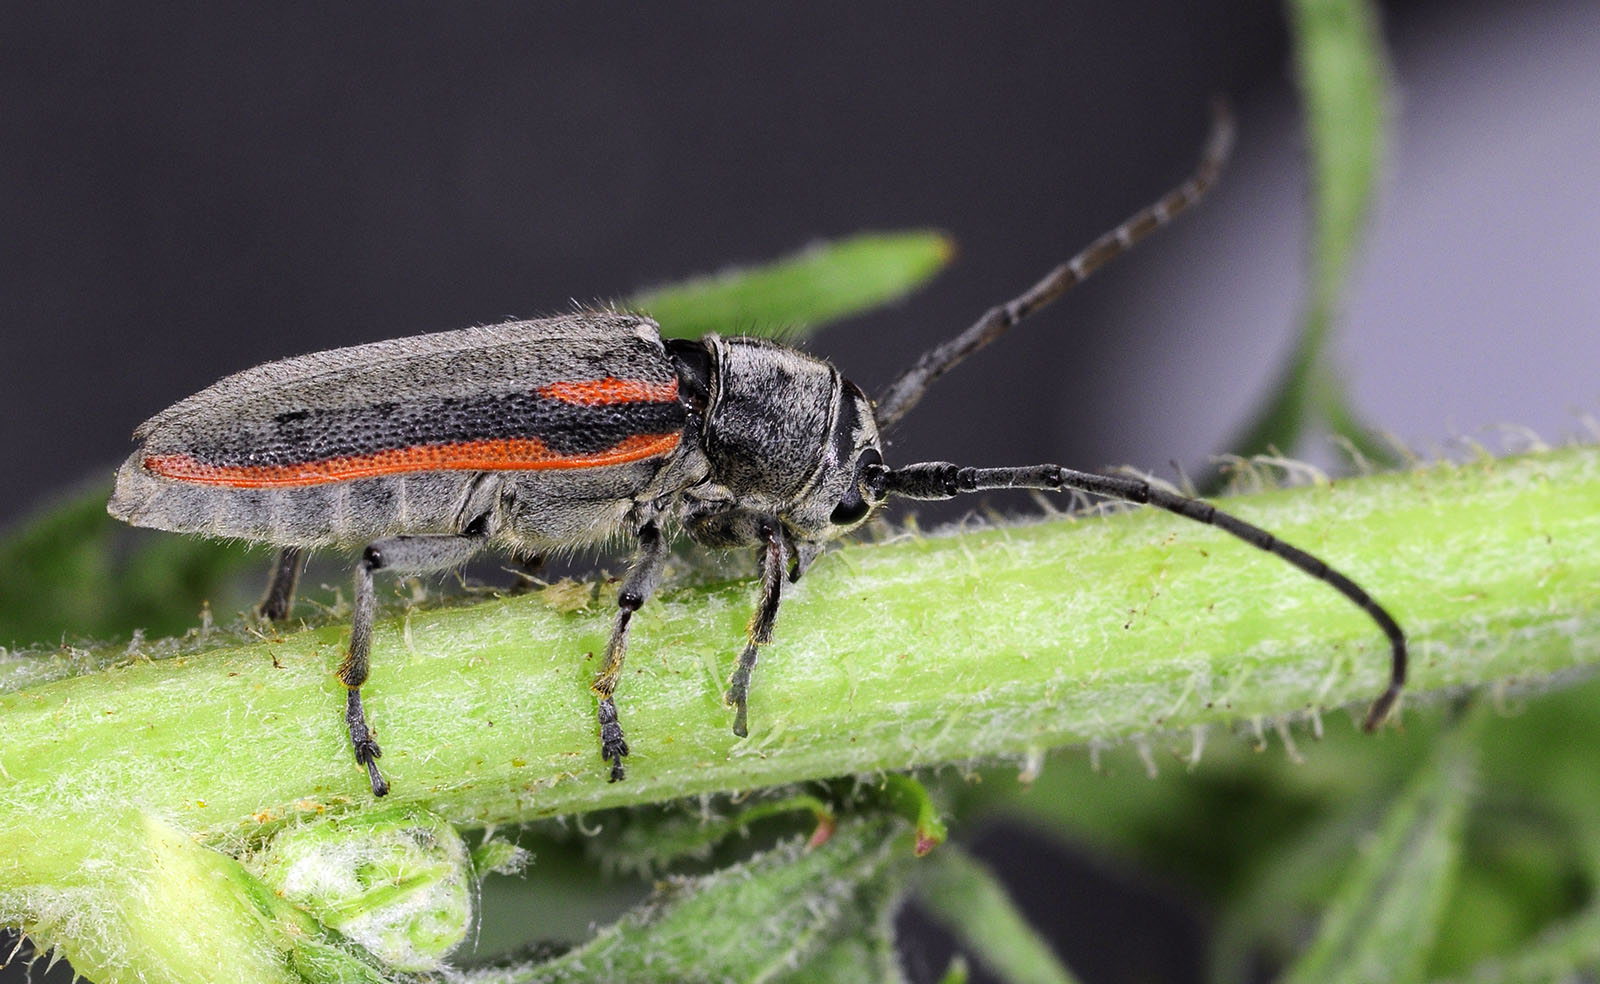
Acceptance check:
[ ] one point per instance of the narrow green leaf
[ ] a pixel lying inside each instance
(649, 840)
(1294, 879)
(755, 921)
(822, 283)
(1342, 70)
(1380, 924)
(967, 898)
(956, 973)
(1261, 832)
(866, 952)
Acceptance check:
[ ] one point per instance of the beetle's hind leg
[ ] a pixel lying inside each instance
(404, 554)
(637, 588)
(279, 599)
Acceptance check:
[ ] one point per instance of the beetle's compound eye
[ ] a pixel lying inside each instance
(851, 511)
(853, 508)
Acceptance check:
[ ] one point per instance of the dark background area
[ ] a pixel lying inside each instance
(212, 191)
(188, 192)
(191, 193)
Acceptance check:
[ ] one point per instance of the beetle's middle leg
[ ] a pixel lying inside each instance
(637, 588)
(279, 599)
(404, 554)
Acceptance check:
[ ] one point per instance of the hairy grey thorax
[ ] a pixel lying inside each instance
(769, 437)
(767, 424)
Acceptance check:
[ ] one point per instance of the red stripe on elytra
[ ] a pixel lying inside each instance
(609, 391)
(512, 454)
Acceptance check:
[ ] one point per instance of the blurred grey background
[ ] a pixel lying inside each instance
(188, 191)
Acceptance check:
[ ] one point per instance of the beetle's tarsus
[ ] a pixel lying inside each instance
(643, 576)
(367, 754)
(362, 743)
(613, 746)
(738, 695)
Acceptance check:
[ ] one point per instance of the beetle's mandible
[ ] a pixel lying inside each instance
(531, 436)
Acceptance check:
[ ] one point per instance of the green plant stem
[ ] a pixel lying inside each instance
(924, 650)
(996, 642)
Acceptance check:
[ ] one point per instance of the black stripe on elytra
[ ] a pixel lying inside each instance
(298, 436)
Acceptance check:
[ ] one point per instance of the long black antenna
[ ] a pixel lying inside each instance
(942, 480)
(902, 394)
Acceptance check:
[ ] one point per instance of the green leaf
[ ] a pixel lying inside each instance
(1294, 878)
(967, 898)
(1383, 919)
(1343, 73)
(956, 973)
(853, 959)
(1261, 833)
(754, 921)
(648, 840)
(866, 951)
(824, 282)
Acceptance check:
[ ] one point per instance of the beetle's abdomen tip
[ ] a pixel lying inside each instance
(139, 498)
(130, 497)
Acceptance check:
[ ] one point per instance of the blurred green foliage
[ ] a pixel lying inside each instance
(73, 573)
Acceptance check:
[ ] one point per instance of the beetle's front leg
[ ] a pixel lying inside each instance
(408, 554)
(637, 588)
(773, 561)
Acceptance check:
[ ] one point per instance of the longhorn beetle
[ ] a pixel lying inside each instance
(533, 435)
